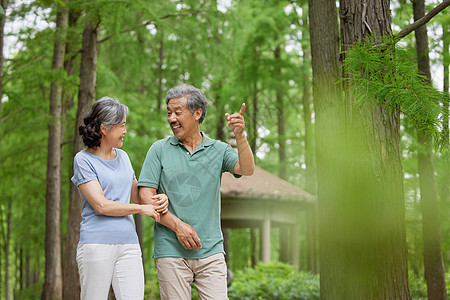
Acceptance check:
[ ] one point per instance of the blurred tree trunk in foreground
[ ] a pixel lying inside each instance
(361, 206)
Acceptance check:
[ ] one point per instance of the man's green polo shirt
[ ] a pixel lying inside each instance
(192, 183)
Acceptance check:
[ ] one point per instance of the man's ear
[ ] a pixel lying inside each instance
(198, 113)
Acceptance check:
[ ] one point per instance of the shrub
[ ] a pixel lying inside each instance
(275, 281)
(417, 288)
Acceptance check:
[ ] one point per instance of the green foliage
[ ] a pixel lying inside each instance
(147, 48)
(387, 75)
(274, 281)
(417, 287)
(33, 292)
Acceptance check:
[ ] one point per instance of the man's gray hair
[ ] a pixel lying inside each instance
(195, 98)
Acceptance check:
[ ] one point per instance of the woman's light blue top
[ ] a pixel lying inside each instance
(116, 178)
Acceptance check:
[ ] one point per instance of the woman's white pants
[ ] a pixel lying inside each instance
(100, 265)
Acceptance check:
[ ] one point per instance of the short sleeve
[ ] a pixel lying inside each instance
(151, 169)
(230, 158)
(83, 170)
(127, 158)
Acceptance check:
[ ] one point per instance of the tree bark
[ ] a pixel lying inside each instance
(433, 261)
(328, 106)
(71, 287)
(220, 113)
(359, 176)
(280, 117)
(254, 129)
(53, 277)
(375, 173)
(161, 98)
(312, 234)
(4, 4)
(6, 235)
(444, 188)
(86, 97)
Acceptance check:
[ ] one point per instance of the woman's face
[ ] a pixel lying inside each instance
(114, 136)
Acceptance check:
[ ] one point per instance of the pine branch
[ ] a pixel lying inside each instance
(5, 118)
(182, 14)
(422, 21)
(152, 21)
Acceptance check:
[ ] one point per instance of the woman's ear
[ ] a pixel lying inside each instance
(102, 129)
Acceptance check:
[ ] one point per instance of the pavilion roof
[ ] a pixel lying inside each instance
(262, 185)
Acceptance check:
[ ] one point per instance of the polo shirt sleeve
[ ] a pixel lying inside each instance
(151, 169)
(230, 158)
(83, 170)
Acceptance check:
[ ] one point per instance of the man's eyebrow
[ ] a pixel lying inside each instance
(175, 108)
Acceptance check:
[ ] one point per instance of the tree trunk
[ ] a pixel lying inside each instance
(254, 246)
(220, 113)
(27, 270)
(6, 234)
(71, 287)
(161, 98)
(376, 174)
(4, 4)
(21, 269)
(433, 261)
(53, 277)
(254, 129)
(280, 116)
(327, 96)
(86, 97)
(444, 189)
(361, 207)
(312, 234)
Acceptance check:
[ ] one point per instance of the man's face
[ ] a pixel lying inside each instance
(183, 123)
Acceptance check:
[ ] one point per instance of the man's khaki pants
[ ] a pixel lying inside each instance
(176, 274)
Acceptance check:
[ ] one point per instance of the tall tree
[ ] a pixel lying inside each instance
(53, 271)
(4, 4)
(327, 95)
(378, 163)
(312, 240)
(6, 238)
(361, 205)
(86, 97)
(280, 112)
(433, 261)
(444, 189)
(71, 288)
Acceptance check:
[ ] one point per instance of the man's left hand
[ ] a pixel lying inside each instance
(236, 121)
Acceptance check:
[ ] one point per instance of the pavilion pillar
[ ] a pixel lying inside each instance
(295, 236)
(265, 239)
(284, 244)
(254, 238)
(226, 243)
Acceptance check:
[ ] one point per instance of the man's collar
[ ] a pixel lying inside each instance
(207, 141)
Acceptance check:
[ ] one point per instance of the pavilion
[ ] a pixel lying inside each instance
(265, 201)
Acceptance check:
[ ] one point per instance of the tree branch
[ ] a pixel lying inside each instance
(5, 118)
(192, 13)
(422, 21)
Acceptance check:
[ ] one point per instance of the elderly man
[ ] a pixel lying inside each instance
(188, 167)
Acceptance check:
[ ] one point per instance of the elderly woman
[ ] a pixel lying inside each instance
(108, 251)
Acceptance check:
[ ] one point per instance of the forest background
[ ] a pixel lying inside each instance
(60, 56)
